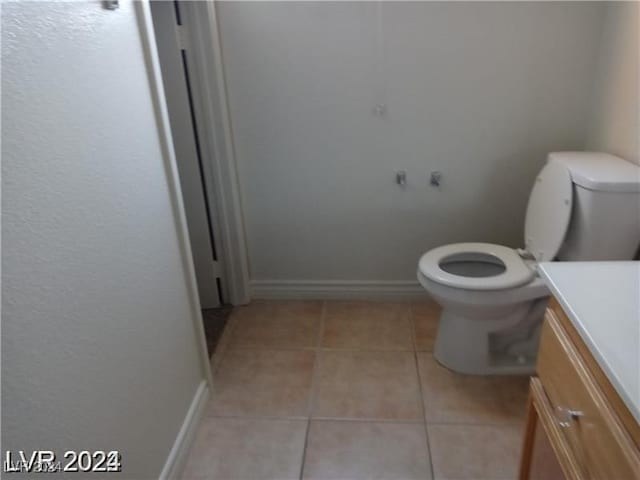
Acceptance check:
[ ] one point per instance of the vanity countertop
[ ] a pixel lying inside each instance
(602, 299)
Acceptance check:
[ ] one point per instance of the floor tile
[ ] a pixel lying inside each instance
(374, 385)
(451, 397)
(234, 448)
(338, 450)
(475, 452)
(425, 317)
(277, 324)
(263, 382)
(367, 326)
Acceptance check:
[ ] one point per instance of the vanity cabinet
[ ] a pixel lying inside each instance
(577, 426)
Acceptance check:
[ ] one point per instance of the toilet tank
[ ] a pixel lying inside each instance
(605, 217)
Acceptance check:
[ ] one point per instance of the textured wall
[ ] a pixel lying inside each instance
(615, 118)
(479, 91)
(98, 344)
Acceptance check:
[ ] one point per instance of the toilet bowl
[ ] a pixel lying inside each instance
(492, 298)
(486, 290)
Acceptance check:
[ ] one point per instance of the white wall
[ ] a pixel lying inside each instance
(479, 91)
(99, 349)
(615, 118)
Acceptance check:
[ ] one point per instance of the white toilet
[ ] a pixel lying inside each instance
(583, 206)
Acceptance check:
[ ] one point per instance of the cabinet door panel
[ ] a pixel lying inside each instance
(546, 454)
(544, 464)
(588, 422)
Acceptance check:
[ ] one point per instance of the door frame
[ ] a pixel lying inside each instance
(200, 31)
(156, 87)
(175, 63)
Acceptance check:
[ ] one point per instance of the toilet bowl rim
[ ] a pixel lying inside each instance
(443, 294)
(516, 273)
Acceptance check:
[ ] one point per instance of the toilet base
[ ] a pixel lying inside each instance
(505, 345)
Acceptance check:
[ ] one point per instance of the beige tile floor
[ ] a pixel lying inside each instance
(350, 390)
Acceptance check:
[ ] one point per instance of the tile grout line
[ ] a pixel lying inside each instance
(312, 389)
(327, 349)
(316, 365)
(422, 399)
(511, 423)
(339, 419)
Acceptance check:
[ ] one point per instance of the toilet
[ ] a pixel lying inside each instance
(584, 206)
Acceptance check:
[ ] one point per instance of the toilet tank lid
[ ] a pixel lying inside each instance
(600, 171)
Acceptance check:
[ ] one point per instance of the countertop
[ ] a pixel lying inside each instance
(602, 299)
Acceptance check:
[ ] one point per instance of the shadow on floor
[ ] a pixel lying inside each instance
(215, 320)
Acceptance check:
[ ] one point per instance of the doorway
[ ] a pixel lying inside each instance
(177, 62)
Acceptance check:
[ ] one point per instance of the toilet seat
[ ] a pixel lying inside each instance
(516, 272)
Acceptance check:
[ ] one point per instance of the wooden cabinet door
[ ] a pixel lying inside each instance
(546, 454)
(544, 464)
(596, 436)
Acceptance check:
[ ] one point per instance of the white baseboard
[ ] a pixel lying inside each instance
(177, 458)
(337, 289)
